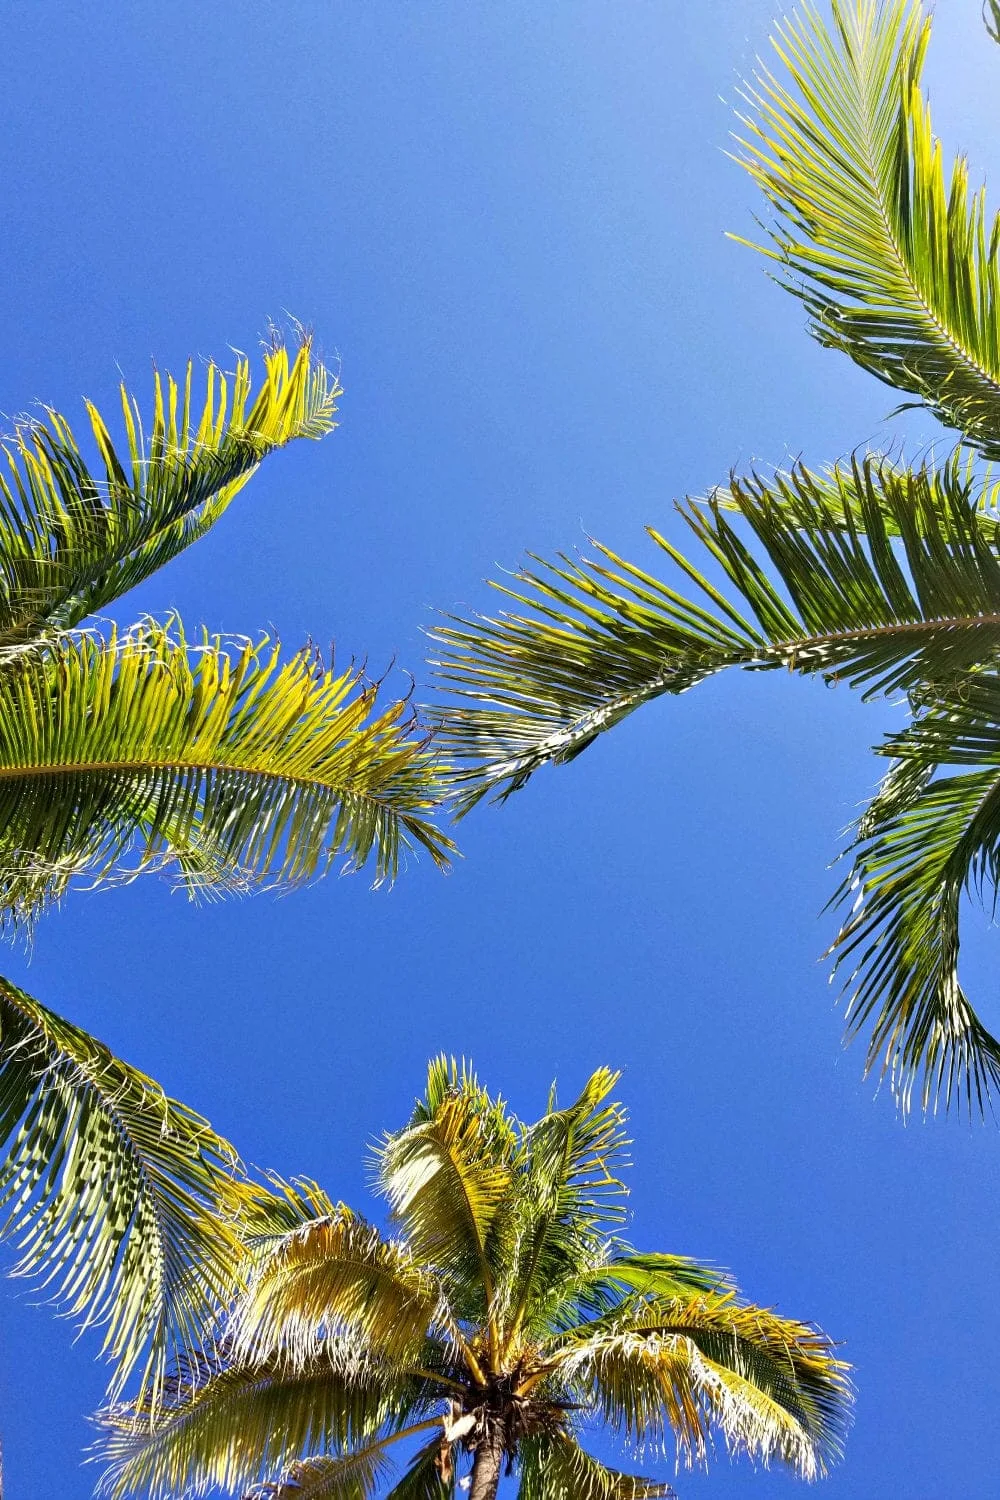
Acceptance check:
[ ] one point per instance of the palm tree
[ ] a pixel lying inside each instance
(504, 1319)
(871, 572)
(128, 750)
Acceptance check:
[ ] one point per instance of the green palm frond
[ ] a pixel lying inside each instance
(927, 839)
(72, 539)
(569, 1198)
(879, 577)
(599, 1288)
(895, 262)
(240, 1427)
(771, 1387)
(557, 1468)
(110, 1191)
(243, 769)
(991, 15)
(336, 1272)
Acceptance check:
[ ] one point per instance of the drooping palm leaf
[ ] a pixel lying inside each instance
(879, 577)
(241, 1427)
(423, 1479)
(110, 1191)
(927, 839)
(243, 769)
(335, 1272)
(895, 262)
(771, 1387)
(73, 538)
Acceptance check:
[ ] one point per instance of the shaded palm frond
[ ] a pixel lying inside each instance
(110, 1191)
(894, 260)
(240, 1427)
(243, 769)
(772, 1388)
(334, 1273)
(929, 837)
(878, 577)
(557, 1468)
(72, 539)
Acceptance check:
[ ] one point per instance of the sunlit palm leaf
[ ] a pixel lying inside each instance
(772, 1388)
(991, 15)
(108, 1190)
(337, 1272)
(72, 539)
(242, 1427)
(245, 770)
(880, 577)
(895, 263)
(557, 1468)
(446, 1175)
(925, 841)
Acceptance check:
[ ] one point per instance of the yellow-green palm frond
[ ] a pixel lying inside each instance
(557, 1468)
(569, 1197)
(446, 1174)
(991, 15)
(240, 1427)
(241, 768)
(895, 262)
(929, 837)
(872, 575)
(706, 1365)
(110, 1192)
(73, 538)
(616, 1272)
(334, 1273)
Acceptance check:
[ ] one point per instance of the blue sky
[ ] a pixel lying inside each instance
(507, 224)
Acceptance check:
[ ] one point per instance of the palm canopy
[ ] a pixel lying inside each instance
(127, 750)
(504, 1319)
(872, 573)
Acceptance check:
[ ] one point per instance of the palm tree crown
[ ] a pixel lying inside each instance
(871, 572)
(504, 1319)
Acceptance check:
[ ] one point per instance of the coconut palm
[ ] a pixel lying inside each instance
(871, 572)
(123, 750)
(503, 1321)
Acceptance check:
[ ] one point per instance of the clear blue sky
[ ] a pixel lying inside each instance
(507, 222)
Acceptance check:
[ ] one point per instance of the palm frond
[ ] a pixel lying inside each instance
(240, 1427)
(770, 1387)
(991, 15)
(616, 1272)
(343, 1476)
(569, 1198)
(72, 539)
(336, 1272)
(557, 1468)
(879, 577)
(110, 1191)
(446, 1174)
(242, 769)
(894, 261)
(927, 839)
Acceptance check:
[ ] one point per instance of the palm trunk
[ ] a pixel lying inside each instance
(486, 1469)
